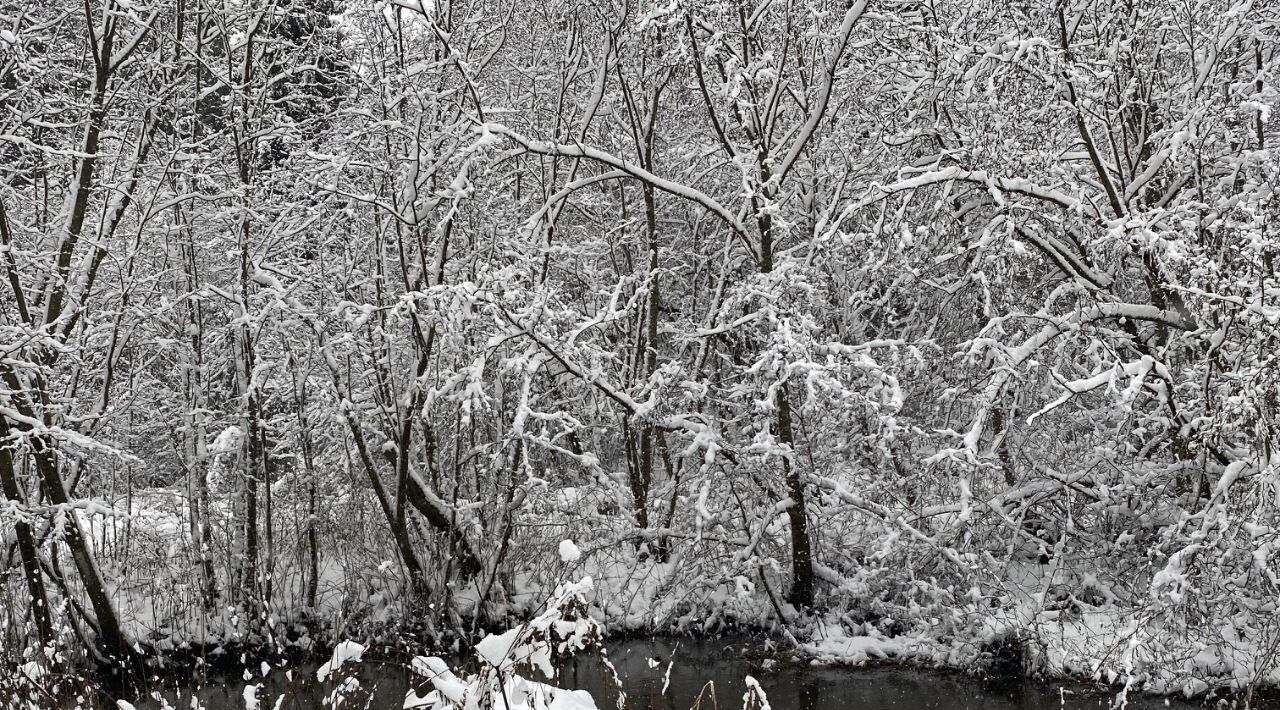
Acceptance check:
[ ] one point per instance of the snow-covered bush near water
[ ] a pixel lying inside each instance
(564, 629)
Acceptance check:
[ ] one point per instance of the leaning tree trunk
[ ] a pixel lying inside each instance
(26, 546)
(114, 646)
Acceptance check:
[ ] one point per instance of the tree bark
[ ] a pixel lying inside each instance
(114, 643)
(26, 546)
(802, 583)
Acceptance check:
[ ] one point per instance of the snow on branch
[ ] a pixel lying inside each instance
(631, 169)
(1015, 357)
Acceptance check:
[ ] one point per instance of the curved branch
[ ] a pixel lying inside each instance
(632, 170)
(1017, 186)
(824, 95)
(1060, 326)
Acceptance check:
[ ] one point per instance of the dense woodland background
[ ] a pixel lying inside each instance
(941, 319)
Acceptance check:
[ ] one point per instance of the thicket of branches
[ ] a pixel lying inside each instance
(850, 307)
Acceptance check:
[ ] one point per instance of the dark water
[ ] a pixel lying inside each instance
(706, 674)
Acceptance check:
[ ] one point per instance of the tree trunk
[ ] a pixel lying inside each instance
(802, 582)
(801, 554)
(26, 547)
(114, 643)
(641, 487)
(399, 533)
(313, 546)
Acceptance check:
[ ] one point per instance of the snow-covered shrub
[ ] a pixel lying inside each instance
(563, 629)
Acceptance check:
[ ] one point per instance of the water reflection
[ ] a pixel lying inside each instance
(705, 674)
(801, 687)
